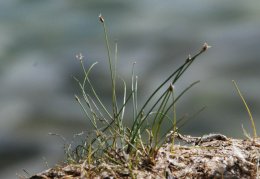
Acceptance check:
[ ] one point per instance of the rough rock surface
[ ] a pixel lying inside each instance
(210, 156)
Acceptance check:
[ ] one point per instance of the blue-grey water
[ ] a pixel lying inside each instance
(39, 41)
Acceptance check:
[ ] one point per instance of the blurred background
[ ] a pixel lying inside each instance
(40, 39)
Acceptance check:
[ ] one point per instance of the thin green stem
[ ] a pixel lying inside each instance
(86, 78)
(124, 100)
(111, 69)
(159, 112)
(174, 118)
(85, 112)
(180, 95)
(161, 117)
(247, 108)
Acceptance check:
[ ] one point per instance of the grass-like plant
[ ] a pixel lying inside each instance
(113, 140)
(248, 111)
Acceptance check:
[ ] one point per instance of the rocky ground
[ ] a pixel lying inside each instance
(210, 156)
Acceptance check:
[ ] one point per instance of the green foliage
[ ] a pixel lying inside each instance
(113, 140)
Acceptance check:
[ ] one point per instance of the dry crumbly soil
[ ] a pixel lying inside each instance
(209, 156)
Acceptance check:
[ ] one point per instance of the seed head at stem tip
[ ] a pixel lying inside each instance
(205, 47)
(101, 18)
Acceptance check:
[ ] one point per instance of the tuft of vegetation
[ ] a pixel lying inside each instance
(143, 150)
(112, 140)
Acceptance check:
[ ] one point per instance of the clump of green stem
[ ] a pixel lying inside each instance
(115, 141)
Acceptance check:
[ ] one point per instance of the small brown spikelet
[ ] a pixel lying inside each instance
(171, 87)
(101, 18)
(205, 47)
(189, 58)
